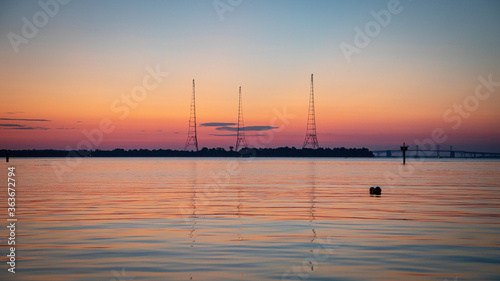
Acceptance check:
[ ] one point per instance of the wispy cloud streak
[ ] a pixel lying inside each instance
(234, 135)
(216, 124)
(21, 127)
(247, 128)
(20, 119)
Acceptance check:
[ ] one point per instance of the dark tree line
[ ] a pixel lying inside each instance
(204, 152)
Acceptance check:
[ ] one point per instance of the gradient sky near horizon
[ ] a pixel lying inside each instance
(66, 78)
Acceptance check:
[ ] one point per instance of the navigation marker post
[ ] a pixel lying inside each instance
(404, 148)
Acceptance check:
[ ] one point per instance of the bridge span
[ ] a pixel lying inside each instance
(435, 153)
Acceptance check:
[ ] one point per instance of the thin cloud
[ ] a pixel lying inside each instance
(14, 112)
(32, 128)
(216, 124)
(229, 135)
(248, 128)
(234, 135)
(21, 127)
(18, 119)
(11, 125)
(144, 131)
(28, 128)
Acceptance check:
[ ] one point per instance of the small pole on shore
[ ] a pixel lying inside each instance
(6, 157)
(404, 148)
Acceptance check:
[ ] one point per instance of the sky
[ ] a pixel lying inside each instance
(118, 74)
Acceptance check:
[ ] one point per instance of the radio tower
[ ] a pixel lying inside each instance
(192, 139)
(240, 135)
(311, 122)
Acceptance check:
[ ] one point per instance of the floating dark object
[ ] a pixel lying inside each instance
(375, 190)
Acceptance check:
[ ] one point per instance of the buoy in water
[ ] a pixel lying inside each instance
(377, 190)
(371, 189)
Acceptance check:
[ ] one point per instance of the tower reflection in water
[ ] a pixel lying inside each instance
(192, 237)
(312, 217)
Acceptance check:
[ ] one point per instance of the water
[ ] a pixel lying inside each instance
(255, 219)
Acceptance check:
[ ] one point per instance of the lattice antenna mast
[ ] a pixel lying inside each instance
(311, 137)
(240, 135)
(192, 138)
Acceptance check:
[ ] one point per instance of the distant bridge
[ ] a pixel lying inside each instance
(435, 153)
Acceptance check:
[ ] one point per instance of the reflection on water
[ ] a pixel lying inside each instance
(255, 219)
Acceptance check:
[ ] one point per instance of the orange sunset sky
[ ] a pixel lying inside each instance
(89, 54)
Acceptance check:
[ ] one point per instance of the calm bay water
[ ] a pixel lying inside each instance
(254, 219)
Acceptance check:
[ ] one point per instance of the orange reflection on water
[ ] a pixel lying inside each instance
(176, 219)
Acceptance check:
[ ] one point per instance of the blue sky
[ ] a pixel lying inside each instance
(427, 59)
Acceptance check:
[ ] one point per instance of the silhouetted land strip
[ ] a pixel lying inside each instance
(204, 152)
